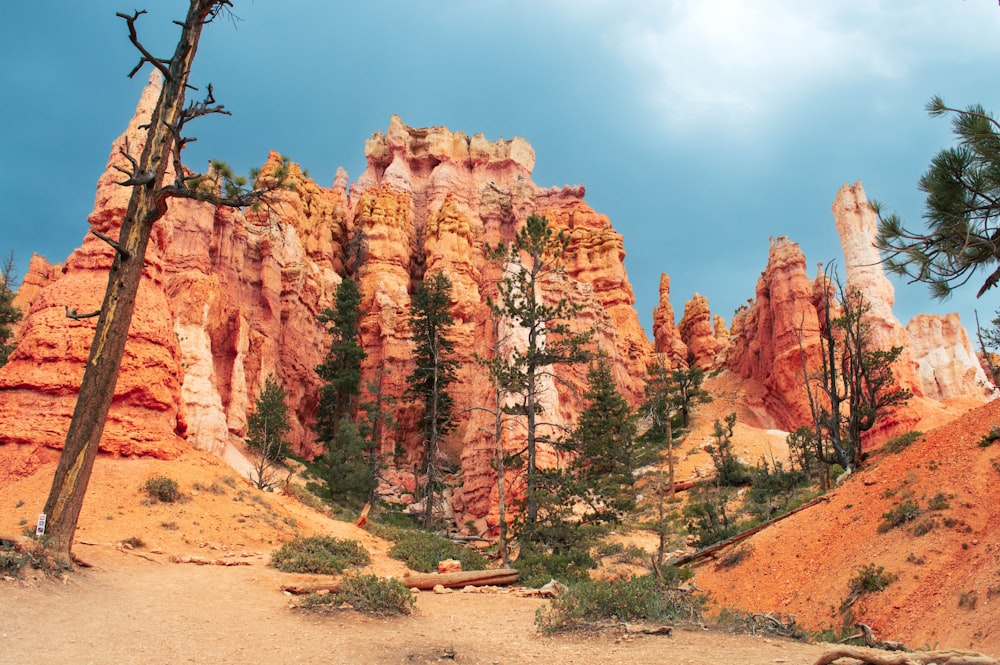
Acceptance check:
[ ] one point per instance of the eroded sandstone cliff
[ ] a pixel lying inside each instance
(775, 339)
(229, 298)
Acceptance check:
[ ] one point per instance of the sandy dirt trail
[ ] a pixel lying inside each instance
(130, 610)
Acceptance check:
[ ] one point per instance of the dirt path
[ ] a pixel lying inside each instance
(130, 610)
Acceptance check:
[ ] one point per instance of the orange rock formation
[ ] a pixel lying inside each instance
(698, 333)
(229, 298)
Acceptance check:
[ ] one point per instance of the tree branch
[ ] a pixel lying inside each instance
(72, 314)
(124, 253)
(136, 176)
(159, 63)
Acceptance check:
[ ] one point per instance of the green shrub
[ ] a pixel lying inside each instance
(421, 551)
(638, 598)
(162, 489)
(988, 439)
(364, 593)
(323, 555)
(538, 568)
(901, 514)
(870, 579)
(15, 558)
(13, 561)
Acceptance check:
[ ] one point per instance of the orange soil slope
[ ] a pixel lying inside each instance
(948, 586)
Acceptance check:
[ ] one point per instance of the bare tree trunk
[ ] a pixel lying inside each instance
(146, 205)
(986, 354)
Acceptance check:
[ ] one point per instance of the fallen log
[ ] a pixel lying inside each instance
(427, 581)
(301, 590)
(874, 657)
(712, 549)
(681, 485)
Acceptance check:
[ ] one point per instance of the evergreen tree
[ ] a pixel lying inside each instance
(268, 424)
(687, 392)
(341, 369)
(344, 466)
(534, 257)
(607, 451)
(266, 429)
(9, 314)
(378, 409)
(729, 471)
(431, 322)
(962, 210)
(670, 399)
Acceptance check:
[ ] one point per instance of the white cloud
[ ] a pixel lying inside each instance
(735, 62)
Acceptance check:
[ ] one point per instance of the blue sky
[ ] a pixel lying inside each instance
(700, 128)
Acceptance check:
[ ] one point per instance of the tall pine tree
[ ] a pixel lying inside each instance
(341, 369)
(534, 257)
(430, 322)
(345, 464)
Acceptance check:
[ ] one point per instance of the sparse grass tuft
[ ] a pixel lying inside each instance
(968, 599)
(134, 542)
(214, 488)
(902, 441)
(938, 502)
(901, 514)
(735, 557)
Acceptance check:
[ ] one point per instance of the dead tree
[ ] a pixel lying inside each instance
(147, 178)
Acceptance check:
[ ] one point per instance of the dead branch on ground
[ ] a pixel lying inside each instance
(874, 657)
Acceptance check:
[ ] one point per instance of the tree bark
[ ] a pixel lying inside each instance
(146, 205)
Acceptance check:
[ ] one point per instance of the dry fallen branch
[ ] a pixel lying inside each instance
(874, 657)
(205, 561)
